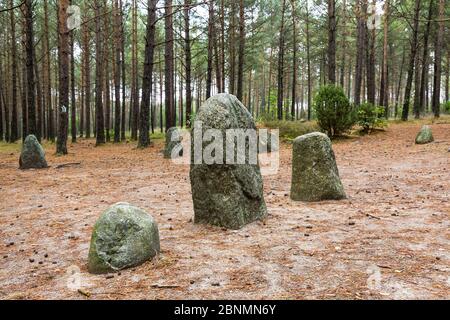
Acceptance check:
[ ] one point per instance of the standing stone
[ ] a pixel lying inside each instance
(123, 237)
(33, 155)
(174, 145)
(315, 176)
(226, 195)
(425, 136)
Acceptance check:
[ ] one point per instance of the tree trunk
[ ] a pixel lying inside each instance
(370, 65)
(106, 57)
(400, 80)
(64, 53)
(147, 83)
(436, 106)
(281, 65)
(124, 89)
(169, 67)
(73, 108)
(361, 11)
(188, 61)
(384, 85)
(308, 58)
(14, 135)
(412, 59)
(99, 115)
(117, 70)
(294, 61)
(332, 41)
(134, 77)
(30, 87)
(425, 63)
(240, 81)
(87, 75)
(210, 49)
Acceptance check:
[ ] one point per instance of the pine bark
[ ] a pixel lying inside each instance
(412, 59)
(147, 82)
(64, 53)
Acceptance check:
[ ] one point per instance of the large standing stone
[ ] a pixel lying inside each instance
(173, 144)
(425, 135)
(315, 176)
(33, 155)
(123, 237)
(226, 195)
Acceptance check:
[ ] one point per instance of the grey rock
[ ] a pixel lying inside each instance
(425, 136)
(33, 155)
(226, 195)
(315, 175)
(123, 237)
(173, 146)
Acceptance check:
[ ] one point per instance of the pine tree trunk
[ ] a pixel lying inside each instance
(188, 61)
(169, 67)
(99, 115)
(436, 105)
(134, 114)
(14, 135)
(281, 65)
(384, 85)
(87, 76)
(117, 70)
(241, 54)
(412, 59)
(30, 86)
(361, 10)
(124, 89)
(73, 108)
(294, 62)
(64, 53)
(147, 83)
(332, 41)
(210, 49)
(308, 58)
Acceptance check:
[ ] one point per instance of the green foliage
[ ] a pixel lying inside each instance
(289, 130)
(446, 107)
(370, 117)
(334, 112)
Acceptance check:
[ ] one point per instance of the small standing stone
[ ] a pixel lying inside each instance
(173, 144)
(315, 175)
(425, 135)
(123, 237)
(33, 155)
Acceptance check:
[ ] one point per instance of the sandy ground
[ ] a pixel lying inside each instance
(389, 240)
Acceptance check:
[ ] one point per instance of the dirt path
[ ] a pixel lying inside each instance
(389, 240)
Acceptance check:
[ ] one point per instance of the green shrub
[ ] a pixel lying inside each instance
(370, 117)
(334, 112)
(446, 107)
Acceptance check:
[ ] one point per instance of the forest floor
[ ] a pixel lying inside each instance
(389, 240)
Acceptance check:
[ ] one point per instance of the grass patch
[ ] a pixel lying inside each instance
(158, 136)
(10, 147)
(290, 130)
